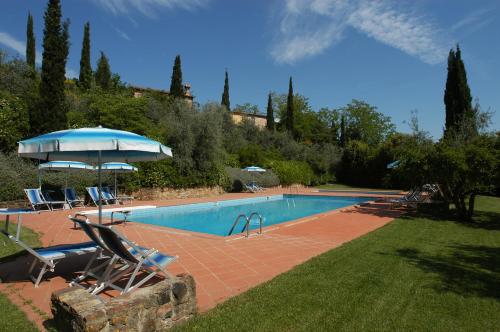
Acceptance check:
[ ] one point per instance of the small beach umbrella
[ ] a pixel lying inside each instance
(68, 166)
(118, 168)
(94, 146)
(253, 169)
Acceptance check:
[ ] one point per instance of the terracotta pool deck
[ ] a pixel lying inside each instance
(222, 267)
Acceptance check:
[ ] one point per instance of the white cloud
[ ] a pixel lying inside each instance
(309, 28)
(122, 34)
(17, 45)
(147, 7)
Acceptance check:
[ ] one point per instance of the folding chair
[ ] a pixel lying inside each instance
(136, 259)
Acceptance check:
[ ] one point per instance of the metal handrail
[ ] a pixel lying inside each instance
(247, 223)
(260, 221)
(236, 221)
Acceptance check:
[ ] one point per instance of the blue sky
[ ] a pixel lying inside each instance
(389, 53)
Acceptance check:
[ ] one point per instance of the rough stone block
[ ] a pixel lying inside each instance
(154, 308)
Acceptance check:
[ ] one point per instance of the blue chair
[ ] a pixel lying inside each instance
(135, 259)
(37, 200)
(94, 195)
(72, 198)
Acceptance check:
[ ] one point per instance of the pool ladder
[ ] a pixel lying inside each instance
(247, 223)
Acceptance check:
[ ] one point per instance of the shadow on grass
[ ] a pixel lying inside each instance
(481, 219)
(469, 270)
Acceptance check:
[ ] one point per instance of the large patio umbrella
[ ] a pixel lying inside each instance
(118, 168)
(67, 166)
(253, 169)
(95, 146)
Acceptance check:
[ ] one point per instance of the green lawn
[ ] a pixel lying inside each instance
(11, 318)
(416, 274)
(339, 186)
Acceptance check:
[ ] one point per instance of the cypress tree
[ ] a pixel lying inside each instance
(342, 131)
(51, 115)
(30, 43)
(457, 96)
(270, 114)
(225, 94)
(103, 72)
(176, 88)
(85, 79)
(290, 109)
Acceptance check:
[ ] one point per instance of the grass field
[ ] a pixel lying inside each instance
(11, 318)
(417, 273)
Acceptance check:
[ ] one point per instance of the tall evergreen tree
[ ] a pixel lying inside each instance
(270, 114)
(85, 79)
(457, 97)
(176, 88)
(30, 43)
(290, 109)
(342, 131)
(51, 115)
(103, 72)
(225, 94)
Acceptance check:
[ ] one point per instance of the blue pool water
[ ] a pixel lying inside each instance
(218, 217)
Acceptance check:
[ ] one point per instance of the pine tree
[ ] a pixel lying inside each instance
(85, 79)
(457, 97)
(103, 72)
(290, 109)
(342, 131)
(225, 94)
(30, 43)
(176, 88)
(51, 114)
(270, 114)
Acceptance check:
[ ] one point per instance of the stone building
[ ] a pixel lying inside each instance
(258, 119)
(140, 91)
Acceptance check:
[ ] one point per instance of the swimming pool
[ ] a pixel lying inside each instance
(217, 218)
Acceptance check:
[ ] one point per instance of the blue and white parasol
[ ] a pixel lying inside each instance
(118, 168)
(95, 146)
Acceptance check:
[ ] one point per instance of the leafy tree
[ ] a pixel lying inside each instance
(457, 97)
(85, 79)
(176, 88)
(342, 140)
(51, 113)
(270, 114)
(103, 76)
(30, 43)
(247, 108)
(225, 94)
(14, 121)
(364, 123)
(290, 110)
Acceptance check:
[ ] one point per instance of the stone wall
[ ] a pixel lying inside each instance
(154, 308)
(153, 194)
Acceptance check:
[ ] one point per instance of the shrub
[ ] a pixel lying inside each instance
(292, 172)
(19, 174)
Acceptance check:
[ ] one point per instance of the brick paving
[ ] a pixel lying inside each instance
(222, 266)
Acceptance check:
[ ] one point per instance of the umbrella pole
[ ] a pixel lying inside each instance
(100, 185)
(115, 184)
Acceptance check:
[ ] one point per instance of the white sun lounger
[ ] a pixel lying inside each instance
(49, 256)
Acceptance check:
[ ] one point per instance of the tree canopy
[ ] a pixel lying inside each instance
(85, 78)
(176, 87)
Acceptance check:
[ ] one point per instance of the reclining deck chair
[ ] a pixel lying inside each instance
(37, 200)
(94, 195)
(72, 198)
(49, 256)
(135, 258)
